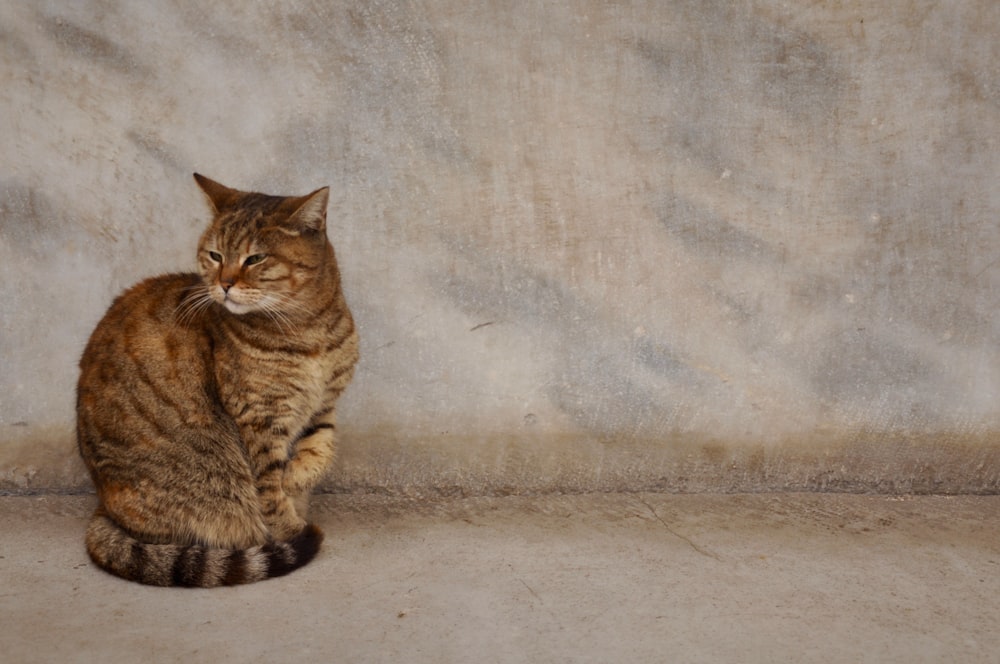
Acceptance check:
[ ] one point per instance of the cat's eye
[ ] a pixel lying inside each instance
(253, 260)
(215, 256)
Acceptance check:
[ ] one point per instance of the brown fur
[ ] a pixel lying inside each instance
(205, 405)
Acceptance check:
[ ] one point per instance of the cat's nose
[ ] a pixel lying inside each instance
(226, 285)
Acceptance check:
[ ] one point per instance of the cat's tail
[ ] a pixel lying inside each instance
(118, 552)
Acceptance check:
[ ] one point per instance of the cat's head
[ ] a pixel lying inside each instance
(263, 253)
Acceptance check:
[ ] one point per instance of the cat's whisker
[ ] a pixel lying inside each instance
(197, 300)
(186, 310)
(290, 303)
(282, 319)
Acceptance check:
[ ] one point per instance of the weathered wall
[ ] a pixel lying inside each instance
(675, 244)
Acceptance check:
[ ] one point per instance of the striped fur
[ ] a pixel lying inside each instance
(206, 402)
(194, 565)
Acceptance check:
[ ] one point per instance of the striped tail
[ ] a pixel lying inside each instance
(194, 566)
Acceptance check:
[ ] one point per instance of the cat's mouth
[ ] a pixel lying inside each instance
(236, 307)
(234, 302)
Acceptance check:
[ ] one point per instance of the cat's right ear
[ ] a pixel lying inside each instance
(219, 195)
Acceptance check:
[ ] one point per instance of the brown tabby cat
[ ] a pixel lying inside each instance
(205, 406)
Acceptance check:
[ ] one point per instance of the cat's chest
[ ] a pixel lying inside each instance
(285, 386)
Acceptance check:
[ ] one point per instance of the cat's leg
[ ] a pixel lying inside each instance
(277, 507)
(166, 515)
(194, 487)
(267, 446)
(313, 455)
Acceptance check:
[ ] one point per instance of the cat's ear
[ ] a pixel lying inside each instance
(219, 195)
(310, 211)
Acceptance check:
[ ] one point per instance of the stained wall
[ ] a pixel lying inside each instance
(590, 246)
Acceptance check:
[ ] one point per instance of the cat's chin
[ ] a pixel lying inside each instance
(237, 308)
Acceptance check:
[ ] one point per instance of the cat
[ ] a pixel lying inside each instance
(205, 403)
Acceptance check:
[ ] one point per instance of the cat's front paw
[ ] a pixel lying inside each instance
(313, 456)
(286, 528)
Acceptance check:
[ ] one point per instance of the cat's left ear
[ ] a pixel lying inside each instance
(219, 195)
(310, 213)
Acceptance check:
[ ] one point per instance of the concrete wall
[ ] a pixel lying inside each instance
(687, 245)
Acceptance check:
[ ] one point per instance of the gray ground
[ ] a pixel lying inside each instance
(601, 578)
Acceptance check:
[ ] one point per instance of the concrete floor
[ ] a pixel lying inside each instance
(595, 578)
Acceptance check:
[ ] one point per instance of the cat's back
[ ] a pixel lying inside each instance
(154, 300)
(151, 341)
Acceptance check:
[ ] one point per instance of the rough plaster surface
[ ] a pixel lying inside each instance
(597, 578)
(675, 245)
